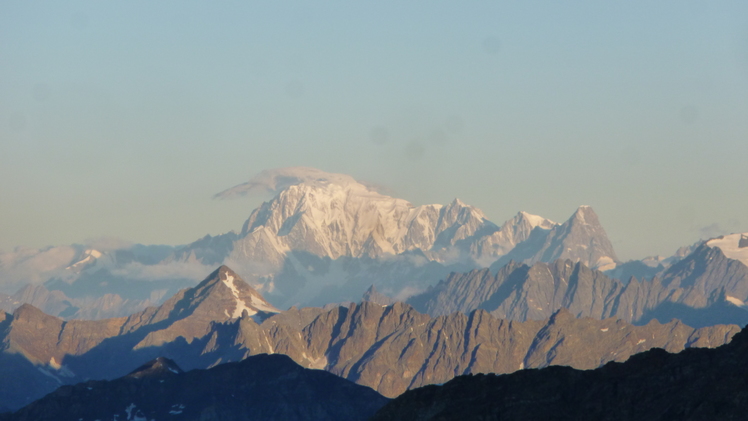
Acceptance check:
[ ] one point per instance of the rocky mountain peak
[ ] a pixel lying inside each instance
(156, 367)
(226, 292)
(457, 202)
(585, 215)
(523, 223)
(374, 296)
(336, 216)
(580, 239)
(27, 312)
(223, 296)
(733, 246)
(533, 221)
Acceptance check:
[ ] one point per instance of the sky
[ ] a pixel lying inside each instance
(123, 119)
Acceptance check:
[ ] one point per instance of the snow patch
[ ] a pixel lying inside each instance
(733, 300)
(133, 414)
(240, 305)
(537, 220)
(262, 306)
(61, 369)
(129, 410)
(271, 350)
(176, 409)
(730, 246)
(641, 341)
(605, 263)
(90, 254)
(54, 364)
(605, 329)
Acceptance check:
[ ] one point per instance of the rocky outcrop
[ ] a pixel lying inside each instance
(264, 387)
(46, 340)
(695, 384)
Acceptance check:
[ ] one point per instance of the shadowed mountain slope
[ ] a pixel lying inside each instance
(263, 387)
(695, 384)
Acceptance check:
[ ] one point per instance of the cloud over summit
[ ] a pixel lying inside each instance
(275, 180)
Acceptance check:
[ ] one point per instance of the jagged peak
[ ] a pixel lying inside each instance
(585, 215)
(535, 220)
(225, 283)
(158, 366)
(457, 202)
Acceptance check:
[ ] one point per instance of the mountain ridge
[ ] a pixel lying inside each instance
(702, 289)
(695, 384)
(270, 387)
(391, 348)
(321, 235)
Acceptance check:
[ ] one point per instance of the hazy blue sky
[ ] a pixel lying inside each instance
(123, 119)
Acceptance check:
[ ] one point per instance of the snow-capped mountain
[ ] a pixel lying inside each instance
(89, 256)
(324, 238)
(327, 231)
(333, 215)
(580, 239)
(733, 246)
(346, 218)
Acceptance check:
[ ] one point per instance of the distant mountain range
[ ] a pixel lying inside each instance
(342, 278)
(703, 289)
(323, 238)
(391, 348)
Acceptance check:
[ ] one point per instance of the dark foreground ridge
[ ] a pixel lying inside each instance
(262, 387)
(695, 384)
